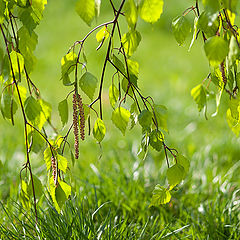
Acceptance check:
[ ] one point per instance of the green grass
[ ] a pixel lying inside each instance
(112, 188)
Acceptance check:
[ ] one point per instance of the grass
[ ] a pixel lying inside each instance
(112, 188)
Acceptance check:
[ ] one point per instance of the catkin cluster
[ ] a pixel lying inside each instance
(78, 109)
(54, 169)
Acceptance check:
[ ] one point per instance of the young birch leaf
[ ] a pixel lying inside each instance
(102, 34)
(233, 123)
(199, 96)
(33, 110)
(131, 13)
(24, 196)
(47, 157)
(62, 163)
(37, 141)
(151, 10)
(208, 23)
(181, 28)
(86, 10)
(156, 140)
(160, 196)
(118, 63)
(161, 116)
(8, 105)
(88, 84)
(17, 62)
(63, 111)
(184, 163)
(113, 95)
(131, 41)
(120, 118)
(175, 174)
(145, 119)
(38, 188)
(99, 130)
(68, 63)
(66, 188)
(45, 113)
(234, 51)
(133, 67)
(60, 197)
(216, 50)
(233, 106)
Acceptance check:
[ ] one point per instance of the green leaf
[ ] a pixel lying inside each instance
(47, 157)
(211, 5)
(160, 112)
(233, 106)
(184, 163)
(8, 105)
(234, 51)
(120, 118)
(131, 13)
(133, 67)
(113, 95)
(208, 23)
(60, 197)
(28, 19)
(127, 87)
(62, 163)
(45, 113)
(216, 49)
(37, 141)
(86, 10)
(68, 64)
(24, 197)
(131, 41)
(38, 7)
(17, 61)
(88, 84)
(66, 188)
(99, 130)
(233, 123)
(175, 174)
(102, 34)
(160, 196)
(33, 110)
(38, 188)
(199, 96)
(118, 63)
(181, 28)
(151, 10)
(156, 140)
(230, 4)
(27, 44)
(2, 10)
(63, 111)
(145, 119)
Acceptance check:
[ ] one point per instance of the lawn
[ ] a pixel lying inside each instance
(112, 187)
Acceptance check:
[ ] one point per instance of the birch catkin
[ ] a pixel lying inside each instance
(54, 169)
(82, 117)
(75, 126)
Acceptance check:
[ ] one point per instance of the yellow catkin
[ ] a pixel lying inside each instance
(82, 117)
(75, 126)
(54, 169)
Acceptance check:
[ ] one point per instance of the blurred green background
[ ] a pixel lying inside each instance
(168, 72)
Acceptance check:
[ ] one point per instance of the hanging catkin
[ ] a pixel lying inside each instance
(75, 126)
(82, 117)
(54, 169)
